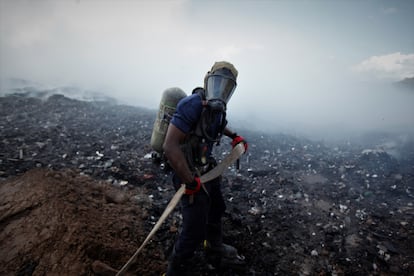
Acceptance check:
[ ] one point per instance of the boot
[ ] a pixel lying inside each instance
(223, 255)
(177, 266)
(180, 266)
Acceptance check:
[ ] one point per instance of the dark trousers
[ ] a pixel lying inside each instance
(201, 218)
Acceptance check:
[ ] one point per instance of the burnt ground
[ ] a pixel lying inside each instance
(79, 193)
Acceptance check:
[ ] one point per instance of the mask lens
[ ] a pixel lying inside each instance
(220, 87)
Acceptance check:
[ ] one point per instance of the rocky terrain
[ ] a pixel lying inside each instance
(79, 192)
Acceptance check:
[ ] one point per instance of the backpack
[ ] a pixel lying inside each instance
(168, 104)
(199, 137)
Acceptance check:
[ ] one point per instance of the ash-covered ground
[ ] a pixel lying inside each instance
(79, 193)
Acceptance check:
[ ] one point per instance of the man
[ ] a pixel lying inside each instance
(198, 123)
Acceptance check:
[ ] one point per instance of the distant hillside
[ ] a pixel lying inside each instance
(407, 83)
(37, 90)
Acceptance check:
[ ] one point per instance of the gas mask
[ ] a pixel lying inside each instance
(219, 86)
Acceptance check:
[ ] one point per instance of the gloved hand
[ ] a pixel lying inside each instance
(238, 139)
(193, 187)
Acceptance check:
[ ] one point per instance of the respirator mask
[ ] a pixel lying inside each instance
(220, 86)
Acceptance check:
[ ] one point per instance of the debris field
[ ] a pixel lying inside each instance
(80, 191)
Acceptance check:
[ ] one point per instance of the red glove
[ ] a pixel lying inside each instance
(238, 139)
(193, 187)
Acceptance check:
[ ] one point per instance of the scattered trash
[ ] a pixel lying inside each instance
(314, 253)
(303, 205)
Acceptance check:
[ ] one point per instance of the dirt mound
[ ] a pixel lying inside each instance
(63, 223)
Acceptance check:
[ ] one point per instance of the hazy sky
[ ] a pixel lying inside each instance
(303, 65)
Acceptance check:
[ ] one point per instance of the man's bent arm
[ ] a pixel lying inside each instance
(174, 154)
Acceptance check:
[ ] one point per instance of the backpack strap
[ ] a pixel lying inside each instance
(206, 119)
(200, 136)
(202, 93)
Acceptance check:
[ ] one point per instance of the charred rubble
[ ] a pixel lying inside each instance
(296, 206)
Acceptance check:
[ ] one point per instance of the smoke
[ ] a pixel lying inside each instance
(297, 74)
(336, 111)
